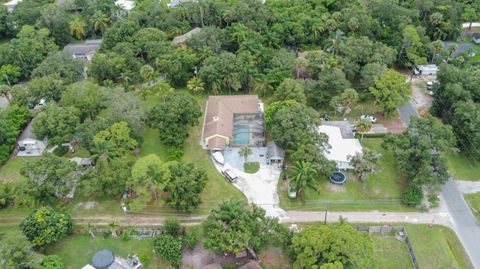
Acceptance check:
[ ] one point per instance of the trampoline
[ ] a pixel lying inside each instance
(338, 177)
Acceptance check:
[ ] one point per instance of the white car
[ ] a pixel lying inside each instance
(370, 118)
(229, 174)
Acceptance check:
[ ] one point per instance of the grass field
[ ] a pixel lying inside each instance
(437, 247)
(390, 253)
(10, 171)
(463, 168)
(473, 201)
(251, 168)
(381, 191)
(77, 251)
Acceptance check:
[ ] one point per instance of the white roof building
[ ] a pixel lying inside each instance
(341, 148)
(125, 4)
(12, 4)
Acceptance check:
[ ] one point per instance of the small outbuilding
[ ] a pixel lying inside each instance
(85, 50)
(182, 39)
(426, 70)
(275, 154)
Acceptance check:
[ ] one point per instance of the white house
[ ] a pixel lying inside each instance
(425, 70)
(341, 148)
(12, 4)
(127, 5)
(85, 50)
(29, 145)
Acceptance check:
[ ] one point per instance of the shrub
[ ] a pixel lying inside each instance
(172, 227)
(190, 239)
(52, 262)
(174, 154)
(168, 248)
(12, 120)
(125, 236)
(44, 226)
(144, 258)
(60, 151)
(412, 196)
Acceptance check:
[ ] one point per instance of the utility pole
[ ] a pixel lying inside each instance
(326, 212)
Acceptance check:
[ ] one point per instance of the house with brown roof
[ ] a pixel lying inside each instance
(235, 120)
(182, 39)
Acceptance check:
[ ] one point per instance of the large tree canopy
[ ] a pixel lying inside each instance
(332, 246)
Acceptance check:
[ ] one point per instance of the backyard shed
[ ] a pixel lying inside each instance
(275, 154)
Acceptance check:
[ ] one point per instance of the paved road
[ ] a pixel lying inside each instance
(464, 222)
(406, 112)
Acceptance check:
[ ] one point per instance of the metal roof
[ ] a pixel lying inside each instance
(274, 152)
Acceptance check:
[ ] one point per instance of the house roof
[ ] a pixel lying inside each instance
(87, 47)
(125, 4)
(274, 152)
(182, 38)
(251, 265)
(341, 148)
(219, 114)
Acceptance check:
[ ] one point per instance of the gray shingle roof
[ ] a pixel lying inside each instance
(274, 152)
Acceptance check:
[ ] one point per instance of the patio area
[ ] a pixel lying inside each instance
(233, 158)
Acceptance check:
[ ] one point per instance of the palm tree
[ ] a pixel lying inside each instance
(245, 152)
(299, 64)
(147, 72)
(451, 49)
(303, 174)
(77, 28)
(163, 89)
(99, 21)
(363, 126)
(103, 151)
(436, 47)
(195, 84)
(89, 229)
(114, 228)
(335, 40)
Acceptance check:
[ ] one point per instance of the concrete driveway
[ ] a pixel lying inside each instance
(259, 188)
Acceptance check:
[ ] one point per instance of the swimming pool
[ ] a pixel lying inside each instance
(241, 134)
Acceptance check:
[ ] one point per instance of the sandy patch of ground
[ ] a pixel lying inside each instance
(336, 188)
(86, 205)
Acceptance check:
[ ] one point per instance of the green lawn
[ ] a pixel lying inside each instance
(391, 253)
(437, 247)
(473, 201)
(382, 191)
(463, 168)
(77, 250)
(365, 108)
(10, 171)
(152, 145)
(251, 168)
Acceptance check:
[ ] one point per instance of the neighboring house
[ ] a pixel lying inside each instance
(105, 259)
(12, 4)
(425, 70)
(126, 5)
(182, 39)
(85, 50)
(235, 120)
(29, 145)
(173, 3)
(83, 162)
(275, 154)
(476, 38)
(341, 147)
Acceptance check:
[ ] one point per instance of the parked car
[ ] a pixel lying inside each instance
(218, 157)
(429, 85)
(230, 175)
(370, 118)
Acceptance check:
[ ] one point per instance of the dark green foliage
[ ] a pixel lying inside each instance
(61, 150)
(172, 227)
(412, 196)
(63, 64)
(7, 194)
(56, 122)
(44, 226)
(174, 154)
(185, 184)
(52, 262)
(190, 239)
(332, 246)
(173, 117)
(12, 120)
(16, 252)
(233, 227)
(168, 248)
